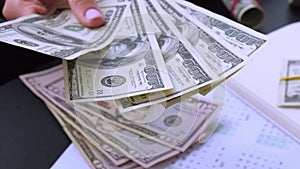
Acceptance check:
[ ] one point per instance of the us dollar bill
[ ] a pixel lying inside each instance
(177, 127)
(289, 86)
(93, 156)
(61, 35)
(187, 70)
(240, 37)
(218, 54)
(131, 65)
(247, 12)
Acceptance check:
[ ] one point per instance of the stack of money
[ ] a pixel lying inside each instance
(289, 85)
(109, 139)
(127, 94)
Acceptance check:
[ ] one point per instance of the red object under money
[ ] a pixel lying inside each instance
(236, 2)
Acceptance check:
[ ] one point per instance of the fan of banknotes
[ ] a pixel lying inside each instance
(149, 52)
(127, 94)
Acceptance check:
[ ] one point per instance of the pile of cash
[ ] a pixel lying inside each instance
(109, 139)
(289, 85)
(127, 94)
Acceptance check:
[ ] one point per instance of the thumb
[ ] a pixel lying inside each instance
(87, 12)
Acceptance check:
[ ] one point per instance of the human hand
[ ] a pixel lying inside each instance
(87, 12)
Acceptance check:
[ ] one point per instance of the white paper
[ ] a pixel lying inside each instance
(71, 158)
(261, 77)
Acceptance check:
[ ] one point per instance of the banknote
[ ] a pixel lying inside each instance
(289, 86)
(94, 157)
(221, 56)
(61, 35)
(187, 70)
(130, 65)
(240, 37)
(247, 12)
(178, 126)
(218, 54)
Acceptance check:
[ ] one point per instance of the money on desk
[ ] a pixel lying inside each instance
(289, 86)
(136, 138)
(128, 94)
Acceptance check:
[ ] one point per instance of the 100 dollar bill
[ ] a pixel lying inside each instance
(217, 53)
(240, 37)
(131, 65)
(61, 35)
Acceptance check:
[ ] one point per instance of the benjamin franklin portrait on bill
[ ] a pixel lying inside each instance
(121, 52)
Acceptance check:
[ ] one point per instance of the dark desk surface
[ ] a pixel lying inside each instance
(30, 135)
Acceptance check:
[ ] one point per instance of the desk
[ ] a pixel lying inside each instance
(30, 135)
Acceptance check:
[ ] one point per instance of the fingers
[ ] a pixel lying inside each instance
(13, 9)
(87, 12)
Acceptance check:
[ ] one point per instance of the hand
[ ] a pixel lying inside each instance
(87, 12)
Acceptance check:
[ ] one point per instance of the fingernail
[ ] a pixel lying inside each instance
(92, 13)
